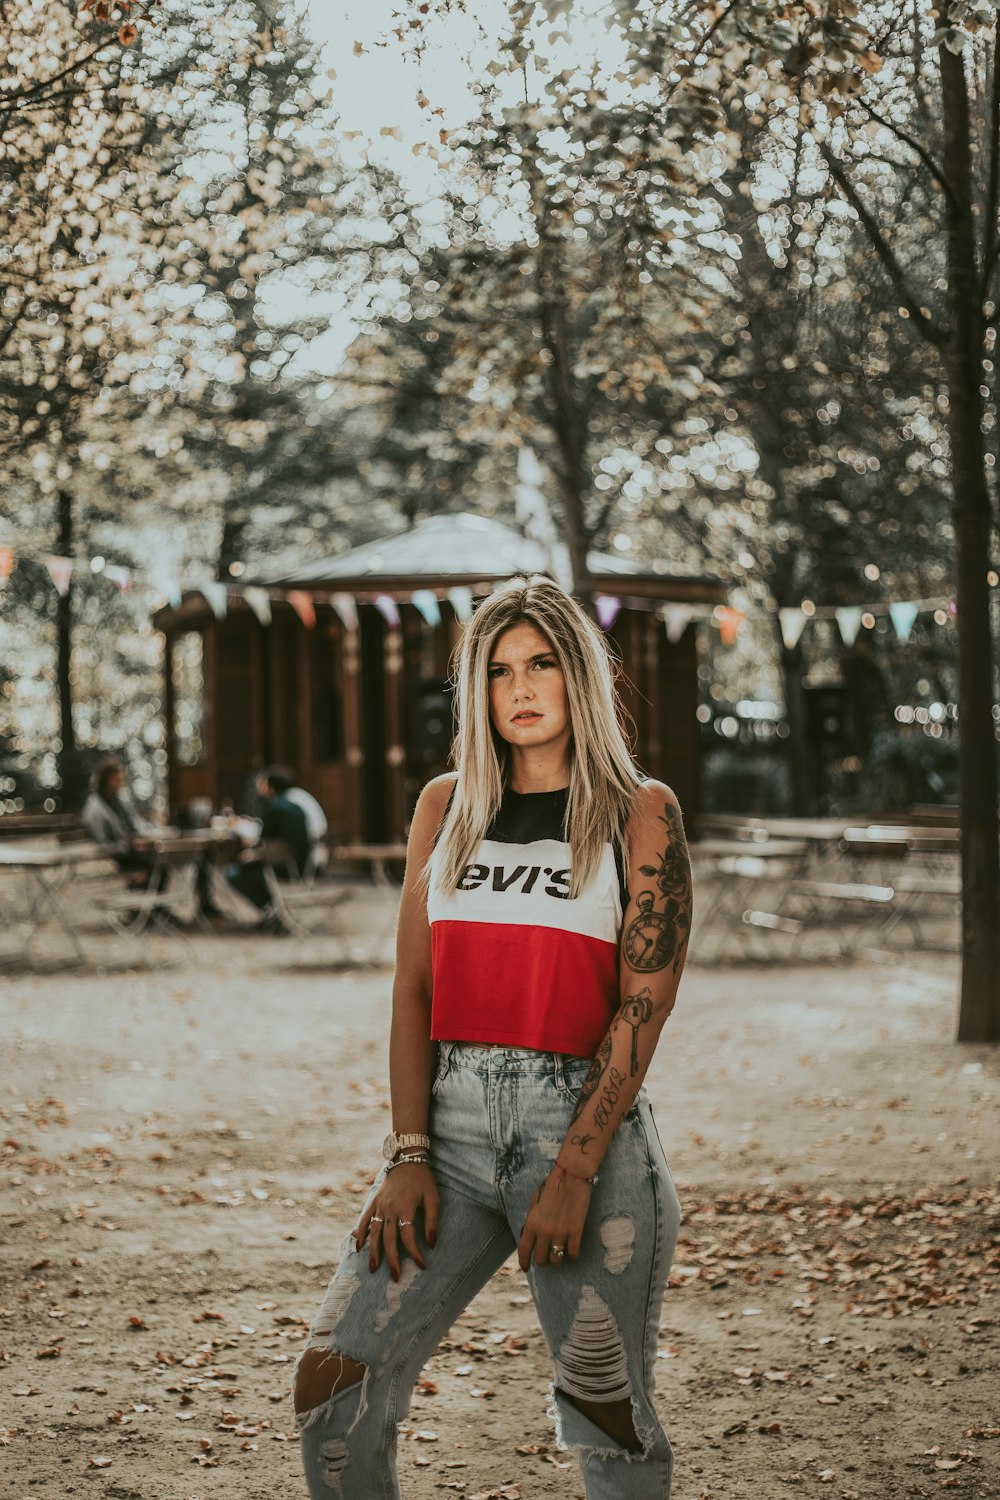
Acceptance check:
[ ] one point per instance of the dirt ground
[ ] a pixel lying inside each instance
(185, 1149)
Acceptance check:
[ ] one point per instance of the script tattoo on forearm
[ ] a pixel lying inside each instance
(593, 1078)
(655, 939)
(610, 1095)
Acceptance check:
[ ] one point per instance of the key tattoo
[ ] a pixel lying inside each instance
(635, 1012)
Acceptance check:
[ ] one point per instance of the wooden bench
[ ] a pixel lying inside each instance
(41, 825)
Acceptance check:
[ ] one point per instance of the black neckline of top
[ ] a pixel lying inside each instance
(558, 791)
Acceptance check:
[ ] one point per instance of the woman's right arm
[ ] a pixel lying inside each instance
(409, 1190)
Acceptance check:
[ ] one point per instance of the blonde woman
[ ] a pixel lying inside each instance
(543, 928)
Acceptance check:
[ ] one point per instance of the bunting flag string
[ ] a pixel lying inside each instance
(389, 610)
(792, 622)
(259, 601)
(848, 619)
(347, 608)
(160, 586)
(60, 570)
(304, 606)
(608, 607)
(676, 618)
(426, 601)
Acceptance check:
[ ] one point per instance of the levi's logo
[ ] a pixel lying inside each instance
(521, 879)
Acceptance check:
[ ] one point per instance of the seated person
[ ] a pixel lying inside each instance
(110, 818)
(316, 824)
(281, 820)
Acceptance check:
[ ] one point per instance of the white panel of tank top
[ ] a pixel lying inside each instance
(527, 885)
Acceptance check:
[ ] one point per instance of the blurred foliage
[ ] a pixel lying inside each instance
(647, 265)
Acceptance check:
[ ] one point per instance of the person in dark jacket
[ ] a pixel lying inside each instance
(282, 821)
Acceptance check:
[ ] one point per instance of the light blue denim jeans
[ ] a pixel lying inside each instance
(498, 1118)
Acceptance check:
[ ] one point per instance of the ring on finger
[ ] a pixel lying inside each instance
(376, 1219)
(558, 1251)
(404, 1223)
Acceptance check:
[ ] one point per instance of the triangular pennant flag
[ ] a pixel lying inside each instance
(428, 606)
(848, 618)
(460, 599)
(347, 610)
(676, 617)
(6, 563)
(259, 601)
(120, 577)
(60, 570)
(389, 610)
(792, 622)
(216, 596)
(730, 621)
(607, 607)
(304, 606)
(902, 613)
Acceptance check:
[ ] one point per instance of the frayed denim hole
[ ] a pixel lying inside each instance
(590, 1442)
(329, 1410)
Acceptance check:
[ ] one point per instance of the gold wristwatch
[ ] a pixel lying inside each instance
(394, 1143)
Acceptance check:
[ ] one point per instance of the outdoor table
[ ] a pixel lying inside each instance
(45, 871)
(739, 871)
(714, 849)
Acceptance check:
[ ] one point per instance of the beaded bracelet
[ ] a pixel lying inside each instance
(591, 1181)
(422, 1159)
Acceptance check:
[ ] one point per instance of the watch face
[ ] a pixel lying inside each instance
(389, 1146)
(649, 941)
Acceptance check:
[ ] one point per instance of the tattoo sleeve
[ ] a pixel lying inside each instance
(654, 941)
(657, 937)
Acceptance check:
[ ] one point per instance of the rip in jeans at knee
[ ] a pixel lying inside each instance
(334, 1449)
(592, 1366)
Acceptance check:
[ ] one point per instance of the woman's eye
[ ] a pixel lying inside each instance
(495, 672)
(546, 662)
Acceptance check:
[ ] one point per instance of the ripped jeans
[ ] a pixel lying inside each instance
(498, 1117)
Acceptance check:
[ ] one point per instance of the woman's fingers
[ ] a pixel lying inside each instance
(408, 1240)
(390, 1245)
(374, 1241)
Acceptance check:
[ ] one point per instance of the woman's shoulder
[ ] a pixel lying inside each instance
(438, 790)
(653, 805)
(432, 805)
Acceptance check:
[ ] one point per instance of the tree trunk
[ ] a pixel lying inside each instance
(68, 760)
(979, 1014)
(565, 419)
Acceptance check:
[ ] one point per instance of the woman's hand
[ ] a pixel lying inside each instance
(555, 1220)
(389, 1221)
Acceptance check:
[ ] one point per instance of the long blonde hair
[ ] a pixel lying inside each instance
(602, 777)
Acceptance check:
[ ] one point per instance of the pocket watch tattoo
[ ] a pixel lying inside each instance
(650, 938)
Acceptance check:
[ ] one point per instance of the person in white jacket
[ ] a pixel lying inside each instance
(110, 818)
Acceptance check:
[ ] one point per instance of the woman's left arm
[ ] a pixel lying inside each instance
(654, 937)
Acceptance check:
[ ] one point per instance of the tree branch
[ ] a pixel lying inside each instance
(930, 330)
(914, 145)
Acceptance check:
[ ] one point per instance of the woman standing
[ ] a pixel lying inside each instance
(542, 932)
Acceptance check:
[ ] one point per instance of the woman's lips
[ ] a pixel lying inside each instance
(526, 718)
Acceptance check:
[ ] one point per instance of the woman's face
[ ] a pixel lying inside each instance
(528, 704)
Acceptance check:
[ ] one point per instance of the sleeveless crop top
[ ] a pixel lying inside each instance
(515, 960)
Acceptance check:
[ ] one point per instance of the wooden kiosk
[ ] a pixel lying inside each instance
(339, 668)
